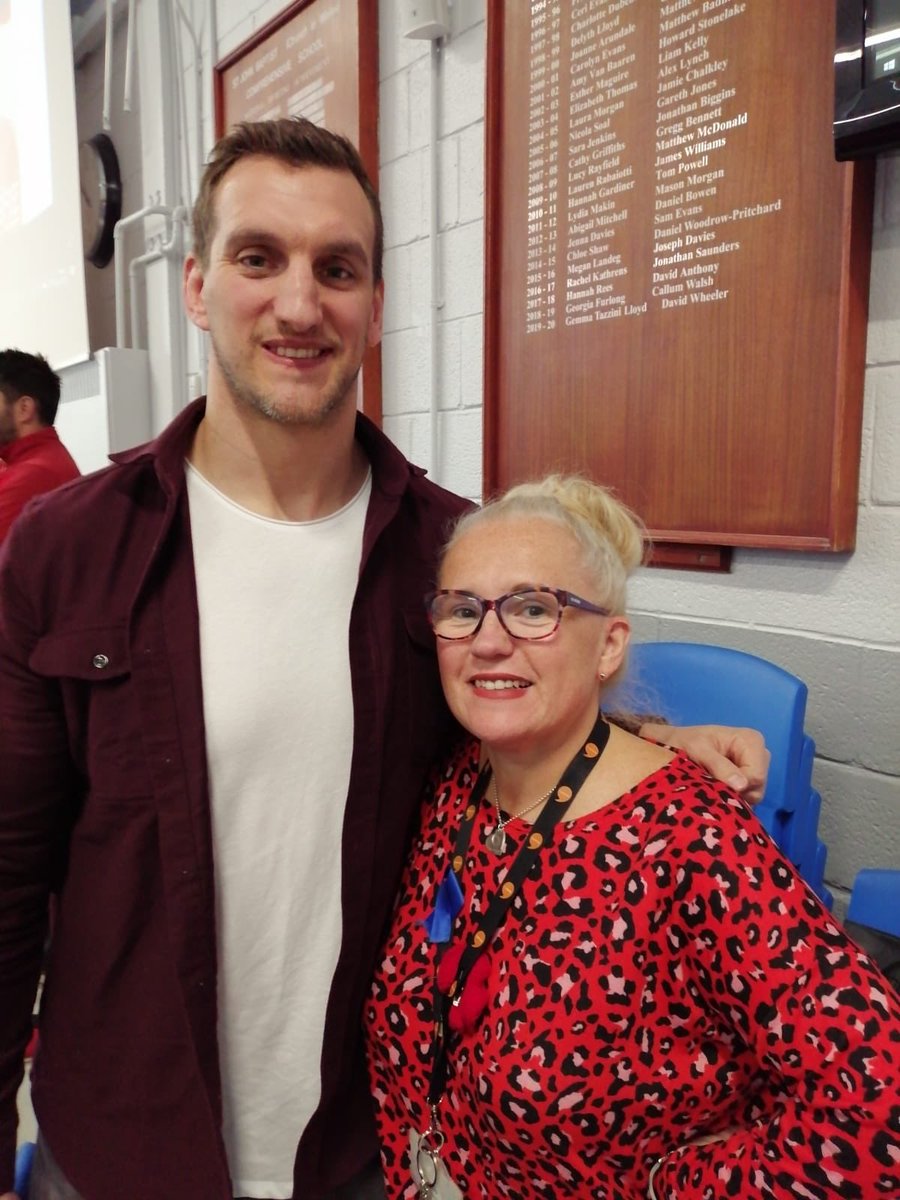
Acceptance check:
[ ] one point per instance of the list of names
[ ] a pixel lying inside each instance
(595, 79)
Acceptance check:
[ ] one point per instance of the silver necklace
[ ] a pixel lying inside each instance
(496, 839)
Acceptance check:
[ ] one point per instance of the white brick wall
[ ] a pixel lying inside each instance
(832, 619)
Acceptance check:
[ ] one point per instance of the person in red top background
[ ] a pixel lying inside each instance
(32, 458)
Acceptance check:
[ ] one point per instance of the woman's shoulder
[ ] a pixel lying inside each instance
(706, 827)
(681, 795)
(683, 778)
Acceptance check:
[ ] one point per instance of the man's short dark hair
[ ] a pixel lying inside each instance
(292, 140)
(24, 374)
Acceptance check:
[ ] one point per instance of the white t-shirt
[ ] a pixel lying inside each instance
(275, 600)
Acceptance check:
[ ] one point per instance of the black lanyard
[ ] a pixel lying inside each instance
(553, 811)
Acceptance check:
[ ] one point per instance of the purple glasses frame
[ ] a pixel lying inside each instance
(563, 598)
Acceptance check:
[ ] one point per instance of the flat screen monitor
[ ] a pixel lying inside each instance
(866, 78)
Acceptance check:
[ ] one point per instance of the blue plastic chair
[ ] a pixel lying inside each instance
(696, 684)
(875, 900)
(873, 917)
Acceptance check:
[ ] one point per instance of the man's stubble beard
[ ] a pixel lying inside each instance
(331, 399)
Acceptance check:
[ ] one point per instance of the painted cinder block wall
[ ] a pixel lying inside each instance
(832, 619)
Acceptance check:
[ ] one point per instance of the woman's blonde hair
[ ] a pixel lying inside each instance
(610, 535)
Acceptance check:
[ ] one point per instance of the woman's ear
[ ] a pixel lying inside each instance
(615, 646)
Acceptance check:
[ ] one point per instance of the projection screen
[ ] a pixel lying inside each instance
(42, 297)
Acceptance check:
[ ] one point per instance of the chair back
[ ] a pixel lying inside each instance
(696, 684)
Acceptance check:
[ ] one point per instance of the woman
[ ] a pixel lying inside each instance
(602, 978)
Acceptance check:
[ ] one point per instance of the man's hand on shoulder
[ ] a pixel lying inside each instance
(737, 757)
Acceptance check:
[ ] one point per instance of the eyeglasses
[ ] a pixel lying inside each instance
(529, 614)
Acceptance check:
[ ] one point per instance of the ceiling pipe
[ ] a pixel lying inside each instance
(129, 59)
(107, 67)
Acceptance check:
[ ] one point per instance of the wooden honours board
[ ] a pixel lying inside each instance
(317, 59)
(677, 269)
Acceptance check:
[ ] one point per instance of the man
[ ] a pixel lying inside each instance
(32, 458)
(218, 701)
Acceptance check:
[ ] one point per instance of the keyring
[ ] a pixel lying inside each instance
(430, 1145)
(425, 1184)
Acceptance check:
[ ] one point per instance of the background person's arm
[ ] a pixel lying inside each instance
(19, 484)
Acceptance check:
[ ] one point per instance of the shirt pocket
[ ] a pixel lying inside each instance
(92, 670)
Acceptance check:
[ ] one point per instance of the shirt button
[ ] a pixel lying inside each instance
(100, 661)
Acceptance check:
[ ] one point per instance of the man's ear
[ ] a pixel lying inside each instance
(192, 291)
(26, 412)
(376, 322)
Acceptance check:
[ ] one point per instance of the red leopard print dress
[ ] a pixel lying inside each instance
(663, 973)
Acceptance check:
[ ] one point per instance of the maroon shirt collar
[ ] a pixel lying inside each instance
(390, 470)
